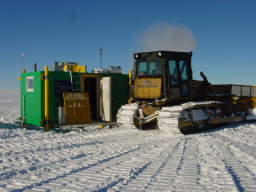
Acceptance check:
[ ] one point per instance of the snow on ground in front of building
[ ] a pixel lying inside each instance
(122, 159)
(9, 106)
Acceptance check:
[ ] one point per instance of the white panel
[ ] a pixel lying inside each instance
(253, 92)
(105, 107)
(236, 90)
(246, 91)
(61, 115)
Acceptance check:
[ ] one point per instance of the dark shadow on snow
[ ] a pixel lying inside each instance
(9, 126)
(224, 126)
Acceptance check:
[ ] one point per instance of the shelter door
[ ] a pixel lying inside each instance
(106, 102)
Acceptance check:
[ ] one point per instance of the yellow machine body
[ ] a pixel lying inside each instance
(147, 88)
(75, 68)
(77, 108)
(250, 101)
(130, 73)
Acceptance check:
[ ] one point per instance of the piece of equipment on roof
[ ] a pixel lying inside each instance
(110, 69)
(69, 66)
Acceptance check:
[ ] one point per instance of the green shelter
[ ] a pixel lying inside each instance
(107, 92)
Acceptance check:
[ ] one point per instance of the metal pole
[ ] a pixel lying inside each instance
(35, 67)
(46, 99)
(23, 62)
(101, 50)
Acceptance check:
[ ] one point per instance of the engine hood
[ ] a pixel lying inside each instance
(147, 88)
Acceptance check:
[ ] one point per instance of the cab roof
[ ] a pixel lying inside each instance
(163, 54)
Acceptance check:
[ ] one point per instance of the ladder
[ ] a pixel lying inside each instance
(75, 82)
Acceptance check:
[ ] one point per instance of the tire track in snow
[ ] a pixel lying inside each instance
(176, 168)
(50, 156)
(249, 150)
(67, 173)
(30, 150)
(63, 164)
(25, 136)
(115, 162)
(129, 170)
(189, 171)
(243, 178)
(54, 159)
(214, 174)
(248, 160)
(44, 139)
(117, 171)
(247, 133)
(16, 168)
(141, 181)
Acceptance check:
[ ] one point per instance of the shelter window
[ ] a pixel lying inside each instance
(173, 70)
(183, 70)
(149, 68)
(30, 84)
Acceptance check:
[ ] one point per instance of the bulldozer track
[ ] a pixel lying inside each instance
(168, 119)
(125, 115)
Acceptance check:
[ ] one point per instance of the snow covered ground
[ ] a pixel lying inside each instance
(122, 159)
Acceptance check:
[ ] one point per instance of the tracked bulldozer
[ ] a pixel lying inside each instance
(163, 94)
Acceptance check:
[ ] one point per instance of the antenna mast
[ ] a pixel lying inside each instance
(101, 50)
(23, 62)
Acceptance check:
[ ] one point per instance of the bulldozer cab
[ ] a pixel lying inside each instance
(162, 75)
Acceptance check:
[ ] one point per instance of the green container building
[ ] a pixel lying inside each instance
(32, 94)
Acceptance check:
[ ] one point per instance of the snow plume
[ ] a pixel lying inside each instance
(164, 36)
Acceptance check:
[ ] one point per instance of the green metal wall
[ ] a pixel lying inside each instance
(32, 103)
(53, 99)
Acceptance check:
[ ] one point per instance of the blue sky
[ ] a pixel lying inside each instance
(74, 30)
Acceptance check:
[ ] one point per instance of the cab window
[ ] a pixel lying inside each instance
(173, 71)
(142, 68)
(183, 70)
(149, 68)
